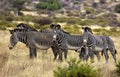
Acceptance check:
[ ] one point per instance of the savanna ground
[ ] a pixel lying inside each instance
(16, 62)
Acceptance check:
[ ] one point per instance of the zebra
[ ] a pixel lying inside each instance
(68, 41)
(34, 40)
(109, 44)
(57, 51)
(102, 42)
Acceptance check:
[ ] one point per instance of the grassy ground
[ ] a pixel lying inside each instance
(16, 62)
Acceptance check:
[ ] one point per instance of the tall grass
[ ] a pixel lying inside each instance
(16, 62)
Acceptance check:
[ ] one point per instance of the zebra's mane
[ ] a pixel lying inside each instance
(25, 27)
(87, 29)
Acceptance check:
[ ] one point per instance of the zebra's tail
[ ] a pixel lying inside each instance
(107, 50)
(115, 51)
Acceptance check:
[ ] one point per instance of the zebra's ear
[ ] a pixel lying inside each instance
(58, 26)
(52, 26)
(83, 28)
(11, 31)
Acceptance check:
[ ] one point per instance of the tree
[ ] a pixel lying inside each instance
(117, 8)
(18, 4)
(49, 5)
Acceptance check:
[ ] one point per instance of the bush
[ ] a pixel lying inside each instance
(10, 18)
(111, 32)
(118, 68)
(117, 8)
(76, 70)
(5, 24)
(49, 5)
(43, 21)
(90, 11)
(73, 29)
(26, 18)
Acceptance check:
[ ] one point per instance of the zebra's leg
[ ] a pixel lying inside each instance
(31, 50)
(65, 53)
(55, 52)
(113, 52)
(91, 54)
(97, 55)
(105, 54)
(60, 55)
(81, 53)
(86, 54)
(35, 52)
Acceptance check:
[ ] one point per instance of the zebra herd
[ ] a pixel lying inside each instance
(86, 44)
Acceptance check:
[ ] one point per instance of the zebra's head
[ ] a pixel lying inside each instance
(87, 34)
(56, 29)
(13, 39)
(88, 37)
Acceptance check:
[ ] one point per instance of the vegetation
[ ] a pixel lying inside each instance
(111, 32)
(70, 20)
(18, 4)
(3, 59)
(5, 24)
(117, 8)
(75, 69)
(118, 68)
(43, 21)
(49, 5)
(90, 11)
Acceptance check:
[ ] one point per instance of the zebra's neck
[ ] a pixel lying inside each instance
(23, 37)
(91, 40)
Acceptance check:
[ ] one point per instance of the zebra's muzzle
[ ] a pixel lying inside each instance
(84, 41)
(10, 47)
(54, 37)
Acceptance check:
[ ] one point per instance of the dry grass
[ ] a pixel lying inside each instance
(16, 62)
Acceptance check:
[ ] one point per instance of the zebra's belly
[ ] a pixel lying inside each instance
(72, 47)
(98, 48)
(43, 47)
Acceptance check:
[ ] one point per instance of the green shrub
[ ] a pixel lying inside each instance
(60, 20)
(75, 69)
(25, 18)
(73, 29)
(118, 68)
(10, 18)
(49, 5)
(111, 32)
(90, 11)
(43, 21)
(117, 8)
(5, 24)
